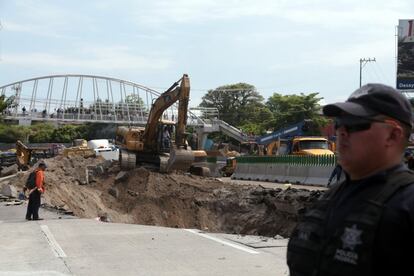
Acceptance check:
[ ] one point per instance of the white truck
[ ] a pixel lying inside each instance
(103, 148)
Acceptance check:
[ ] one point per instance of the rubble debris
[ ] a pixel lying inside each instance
(9, 170)
(14, 202)
(9, 191)
(121, 176)
(4, 198)
(176, 199)
(63, 210)
(132, 193)
(113, 192)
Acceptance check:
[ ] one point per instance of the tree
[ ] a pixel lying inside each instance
(291, 109)
(235, 102)
(68, 133)
(261, 118)
(6, 103)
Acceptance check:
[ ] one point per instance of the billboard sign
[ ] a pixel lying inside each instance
(405, 66)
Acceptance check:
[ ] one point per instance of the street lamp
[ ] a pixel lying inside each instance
(362, 63)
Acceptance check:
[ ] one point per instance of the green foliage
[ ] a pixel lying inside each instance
(12, 133)
(135, 99)
(242, 106)
(235, 102)
(68, 133)
(253, 128)
(291, 109)
(41, 133)
(6, 103)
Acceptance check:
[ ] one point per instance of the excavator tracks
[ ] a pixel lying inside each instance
(128, 160)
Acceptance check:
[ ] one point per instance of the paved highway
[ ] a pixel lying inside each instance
(63, 245)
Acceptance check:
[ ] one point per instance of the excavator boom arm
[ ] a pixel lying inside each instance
(178, 91)
(182, 111)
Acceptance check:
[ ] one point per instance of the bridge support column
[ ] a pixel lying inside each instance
(25, 122)
(203, 132)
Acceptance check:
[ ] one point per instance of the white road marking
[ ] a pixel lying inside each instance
(248, 250)
(57, 250)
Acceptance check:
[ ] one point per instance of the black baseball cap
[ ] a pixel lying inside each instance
(43, 164)
(373, 99)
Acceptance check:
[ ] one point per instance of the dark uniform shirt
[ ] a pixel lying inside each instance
(393, 251)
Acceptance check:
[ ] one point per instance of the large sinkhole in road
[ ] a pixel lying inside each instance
(186, 201)
(89, 188)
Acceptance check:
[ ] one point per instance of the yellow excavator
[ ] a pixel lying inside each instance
(148, 145)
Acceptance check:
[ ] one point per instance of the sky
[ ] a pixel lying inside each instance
(279, 46)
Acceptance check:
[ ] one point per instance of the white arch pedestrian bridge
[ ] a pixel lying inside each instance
(84, 98)
(73, 98)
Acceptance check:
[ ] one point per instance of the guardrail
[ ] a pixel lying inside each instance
(307, 170)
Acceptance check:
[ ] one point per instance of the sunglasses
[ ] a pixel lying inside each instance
(356, 124)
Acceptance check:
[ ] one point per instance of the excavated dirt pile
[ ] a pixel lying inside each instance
(93, 187)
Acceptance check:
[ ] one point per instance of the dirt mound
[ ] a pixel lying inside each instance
(173, 200)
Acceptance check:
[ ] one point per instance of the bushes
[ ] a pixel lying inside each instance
(11, 133)
(43, 133)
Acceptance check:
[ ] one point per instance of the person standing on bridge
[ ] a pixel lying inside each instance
(365, 224)
(35, 193)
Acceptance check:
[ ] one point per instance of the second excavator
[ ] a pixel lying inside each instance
(154, 144)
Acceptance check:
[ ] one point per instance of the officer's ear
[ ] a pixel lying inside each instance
(396, 135)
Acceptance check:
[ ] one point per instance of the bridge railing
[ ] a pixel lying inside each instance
(71, 117)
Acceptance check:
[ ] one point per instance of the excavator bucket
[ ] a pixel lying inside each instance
(180, 159)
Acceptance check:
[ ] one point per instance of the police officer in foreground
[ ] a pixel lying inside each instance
(365, 224)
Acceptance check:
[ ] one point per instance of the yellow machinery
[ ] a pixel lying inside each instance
(230, 167)
(80, 148)
(27, 156)
(300, 146)
(147, 145)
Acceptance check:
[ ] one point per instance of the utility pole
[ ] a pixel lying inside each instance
(362, 63)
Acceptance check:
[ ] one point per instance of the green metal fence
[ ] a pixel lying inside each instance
(295, 160)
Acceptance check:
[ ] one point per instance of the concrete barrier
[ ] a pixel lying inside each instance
(319, 175)
(258, 171)
(279, 173)
(268, 176)
(307, 170)
(241, 172)
(297, 174)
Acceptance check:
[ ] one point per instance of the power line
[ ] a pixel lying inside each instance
(382, 73)
(362, 63)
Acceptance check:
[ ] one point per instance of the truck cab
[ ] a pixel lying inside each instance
(310, 146)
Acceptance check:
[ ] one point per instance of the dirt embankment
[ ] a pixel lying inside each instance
(173, 200)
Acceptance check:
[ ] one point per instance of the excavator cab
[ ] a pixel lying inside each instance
(165, 135)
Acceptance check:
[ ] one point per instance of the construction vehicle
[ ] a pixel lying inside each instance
(291, 141)
(147, 145)
(27, 156)
(225, 158)
(80, 148)
(228, 169)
